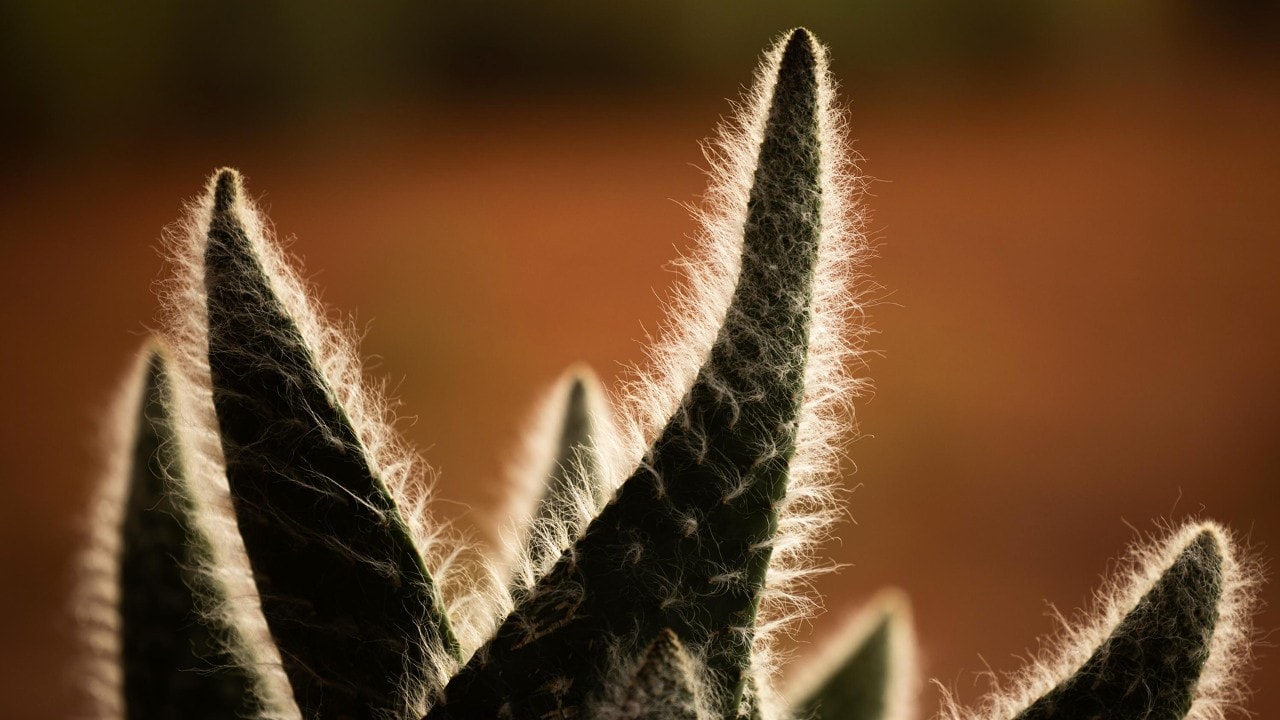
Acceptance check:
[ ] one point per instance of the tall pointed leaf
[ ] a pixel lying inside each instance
(344, 590)
(686, 542)
(174, 664)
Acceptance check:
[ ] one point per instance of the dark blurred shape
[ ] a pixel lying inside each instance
(86, 72)
(529, 47)
(1240, 24)
(220, 59)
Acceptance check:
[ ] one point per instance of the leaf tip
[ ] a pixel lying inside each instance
(1171, 633)
(227, 185)
(799, 62)
(868, 670)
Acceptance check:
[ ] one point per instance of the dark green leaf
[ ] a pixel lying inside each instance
(686, 541)
(174, 664)
(345, 591)
(574, 473)
(858, 685)
(1149, 666)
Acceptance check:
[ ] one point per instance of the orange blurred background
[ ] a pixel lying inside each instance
(1076, 205)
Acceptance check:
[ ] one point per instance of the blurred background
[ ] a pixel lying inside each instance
(1075, 205)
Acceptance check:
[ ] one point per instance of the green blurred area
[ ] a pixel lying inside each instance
(87, 70)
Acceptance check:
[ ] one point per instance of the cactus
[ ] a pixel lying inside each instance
(264, 547)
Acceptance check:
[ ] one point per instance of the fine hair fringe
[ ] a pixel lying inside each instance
(95, 602)
(1222, 688)
(516, 568)
(696, 311)
(184, 322)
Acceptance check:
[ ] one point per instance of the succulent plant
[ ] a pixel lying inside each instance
(263, 547)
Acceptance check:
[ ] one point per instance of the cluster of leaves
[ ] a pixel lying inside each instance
(261, 551)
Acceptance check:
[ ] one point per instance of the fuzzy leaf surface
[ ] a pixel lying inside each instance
(663, 687)
(346, 594)
(174, 665)
(686, 541)
(575, 469)
(1150, 664)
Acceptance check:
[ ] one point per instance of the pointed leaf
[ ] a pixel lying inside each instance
(685, 543)
(864, 676)
(345, 592)
(574, 475)
(857, 690)
(1150, 664)
(663, 687)
(174, 663)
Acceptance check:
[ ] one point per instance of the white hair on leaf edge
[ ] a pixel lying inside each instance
(96, 597)
(617, 698)
(488, 584)
(1222, 687)
(98, 593)
(522, 535)
(185, 324)
(697, 309)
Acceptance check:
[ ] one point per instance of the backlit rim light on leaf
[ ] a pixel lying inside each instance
(1221, 689)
